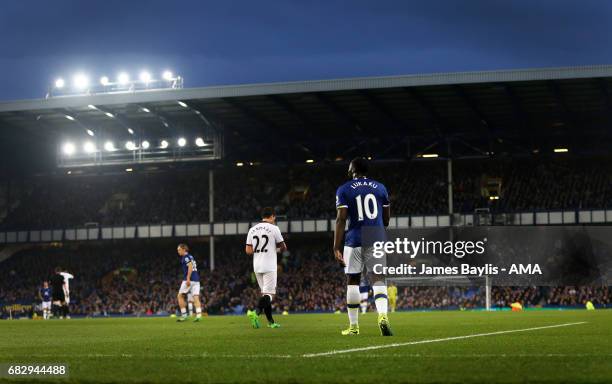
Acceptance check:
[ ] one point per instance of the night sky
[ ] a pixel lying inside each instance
(235, 42)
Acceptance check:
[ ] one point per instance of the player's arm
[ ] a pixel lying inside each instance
(386, 204)
(189, 270)
(386, 215)
(249, 244)
(341, 215)
(281, 246)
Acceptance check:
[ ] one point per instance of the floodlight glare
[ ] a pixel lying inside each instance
(109, 146)
(89, 147)
(123, 78)
(130, 146)
(145, 76)
(145, 145)
(104, 81)
(168, 76)
(80, 81)
(131, 131)
(59, 83)
(90, 132)
(69, 117)
(182, 104)
(200, 142)
(147, 110)
(181, 142)
(68, 149)
(109, 114)
(163, 144)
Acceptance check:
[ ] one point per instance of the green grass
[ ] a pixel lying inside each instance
(226, 349)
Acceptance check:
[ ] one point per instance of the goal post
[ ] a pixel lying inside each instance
(483, 283)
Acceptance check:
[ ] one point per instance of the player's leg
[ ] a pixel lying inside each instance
(268, 291)
(190, 304)
(364, 292)
(392, 303)
(67, 307)
(352, 269)
(181, 301)
(379, 290)
(195, 293)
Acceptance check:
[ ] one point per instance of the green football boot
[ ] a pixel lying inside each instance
(383, 324)
(252, 315)
(274, 325)
(352, 330)
(197, 319)
(181, 319)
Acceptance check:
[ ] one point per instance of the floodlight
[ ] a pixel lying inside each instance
(80, 81)
(168, 76)
(310, 161)
(200, 142)
(145, 77)
(147, 110)
(239, 164)
(68, 148)
(104, 81)
(90, 132)
(109, 146)
(69, 117)
(109, 114)
(89, 147)
(163, 144)
(182, 104)
(130, 146)
(91, 106)
(430, 155)
(561, 150)
(181, 142)
(123, 78)
(145, 145)
(131, 131)
(59, 83)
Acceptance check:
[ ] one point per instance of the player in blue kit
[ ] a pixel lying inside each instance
(45, 297)
(190, 283)
(364, 203)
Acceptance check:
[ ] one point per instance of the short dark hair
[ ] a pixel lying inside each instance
(58, 269)
(184, 246)
(360, 165)
(267, 212)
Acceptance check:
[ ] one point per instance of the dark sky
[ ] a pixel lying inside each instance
(234, 42)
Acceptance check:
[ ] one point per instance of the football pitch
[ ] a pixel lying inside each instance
(536, 346)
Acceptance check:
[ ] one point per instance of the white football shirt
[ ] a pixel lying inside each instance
(264, 238)
(67, 277)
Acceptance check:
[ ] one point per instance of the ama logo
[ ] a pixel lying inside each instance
(522, 269)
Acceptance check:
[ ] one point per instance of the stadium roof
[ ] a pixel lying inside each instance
(480, 112)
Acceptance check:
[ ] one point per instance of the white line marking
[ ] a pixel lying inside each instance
(395, 345)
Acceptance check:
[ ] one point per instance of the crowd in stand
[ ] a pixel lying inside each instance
(416, 187)
(142, 278)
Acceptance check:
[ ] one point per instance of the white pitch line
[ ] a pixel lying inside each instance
(395, 345)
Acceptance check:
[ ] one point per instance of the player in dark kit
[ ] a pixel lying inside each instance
(45, 297)
(59, 307)
(190, 283)
(365, 203)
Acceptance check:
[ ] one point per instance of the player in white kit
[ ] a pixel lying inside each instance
(67, 276)
(264, 240)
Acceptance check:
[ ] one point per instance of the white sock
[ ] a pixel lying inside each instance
(380, 298)
(190, 307)
(364, 302)
(183, 312)
(352, 303)
(199, 312)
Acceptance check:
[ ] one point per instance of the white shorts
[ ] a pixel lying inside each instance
(189, 297)
(46, 305)
(356, 261)
(194, 288)
(267, 282)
